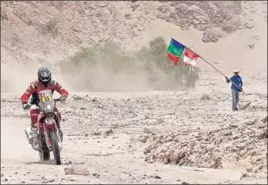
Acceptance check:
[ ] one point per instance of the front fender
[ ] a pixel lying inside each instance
(50, 123)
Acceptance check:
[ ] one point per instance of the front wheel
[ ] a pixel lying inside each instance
(43, 151)
(55, 147)
(44, 155)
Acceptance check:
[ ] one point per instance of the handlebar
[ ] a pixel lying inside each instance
(57, 99)
(27, 105)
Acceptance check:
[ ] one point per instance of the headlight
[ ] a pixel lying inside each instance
(49, 107)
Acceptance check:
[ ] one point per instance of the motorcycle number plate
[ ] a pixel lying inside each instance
(45, 96)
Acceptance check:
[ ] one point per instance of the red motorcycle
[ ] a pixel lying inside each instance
(48, 136)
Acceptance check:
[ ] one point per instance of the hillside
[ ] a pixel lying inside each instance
(35, 32)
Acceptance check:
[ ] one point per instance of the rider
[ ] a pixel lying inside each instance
(44, 82)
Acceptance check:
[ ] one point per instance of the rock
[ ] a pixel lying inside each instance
(263, 135)
(146, 150)
(262, 125)
(235, 137)
(212, 35)
(143, 139)
(50, 180)
(96, 133)
(155, 138)
(157, 177)
(256, 37)
(75, 97)
(128, 16)
(251, 46)
(94, 99)
(249, 168)
(166, 160)
(147, 131)
(243, 176)
(97, 175)
(249, 25)
(264, 120)
(250, 122)
(229, 133)
(205, 97)
(241, 146)
(100, 106)
(233, 126)
(109, 132)
(76, 170)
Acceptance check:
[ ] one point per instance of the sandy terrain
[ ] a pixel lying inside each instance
(119, 157)
(143, 137)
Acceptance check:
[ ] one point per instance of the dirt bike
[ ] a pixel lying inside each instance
(48, 136)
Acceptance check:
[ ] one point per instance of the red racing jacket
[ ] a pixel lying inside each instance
(36, 86)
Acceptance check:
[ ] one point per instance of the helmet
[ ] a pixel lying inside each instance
(44, 75)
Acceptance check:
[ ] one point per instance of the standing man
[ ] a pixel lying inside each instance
(236, 87)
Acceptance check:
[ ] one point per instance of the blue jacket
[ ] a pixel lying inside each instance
(237, 82)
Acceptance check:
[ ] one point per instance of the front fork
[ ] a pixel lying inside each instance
(47, 131)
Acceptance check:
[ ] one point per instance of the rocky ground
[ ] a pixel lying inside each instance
(126, 138)
(147, 137)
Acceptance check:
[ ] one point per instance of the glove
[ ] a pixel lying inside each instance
(25, 106)
(227, 80)
(63, 98)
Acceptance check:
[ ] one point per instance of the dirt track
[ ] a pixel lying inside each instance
(118, 157)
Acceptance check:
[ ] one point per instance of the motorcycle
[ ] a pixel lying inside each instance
(47, 136)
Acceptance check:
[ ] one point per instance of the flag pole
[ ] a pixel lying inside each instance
(212, 66)
(215, 68)
(209, 64)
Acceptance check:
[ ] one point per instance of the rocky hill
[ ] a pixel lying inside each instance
(46, 32)
(49, 30)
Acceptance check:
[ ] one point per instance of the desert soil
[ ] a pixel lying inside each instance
(112, 138)
(188, 136)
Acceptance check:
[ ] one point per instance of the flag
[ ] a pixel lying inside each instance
(175, 51)
(190, 57)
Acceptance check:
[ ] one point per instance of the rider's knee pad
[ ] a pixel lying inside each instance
(34, 112)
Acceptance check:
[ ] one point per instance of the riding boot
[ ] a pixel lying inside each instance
(31, 132)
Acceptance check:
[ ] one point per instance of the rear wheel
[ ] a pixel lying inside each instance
(55, 147)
